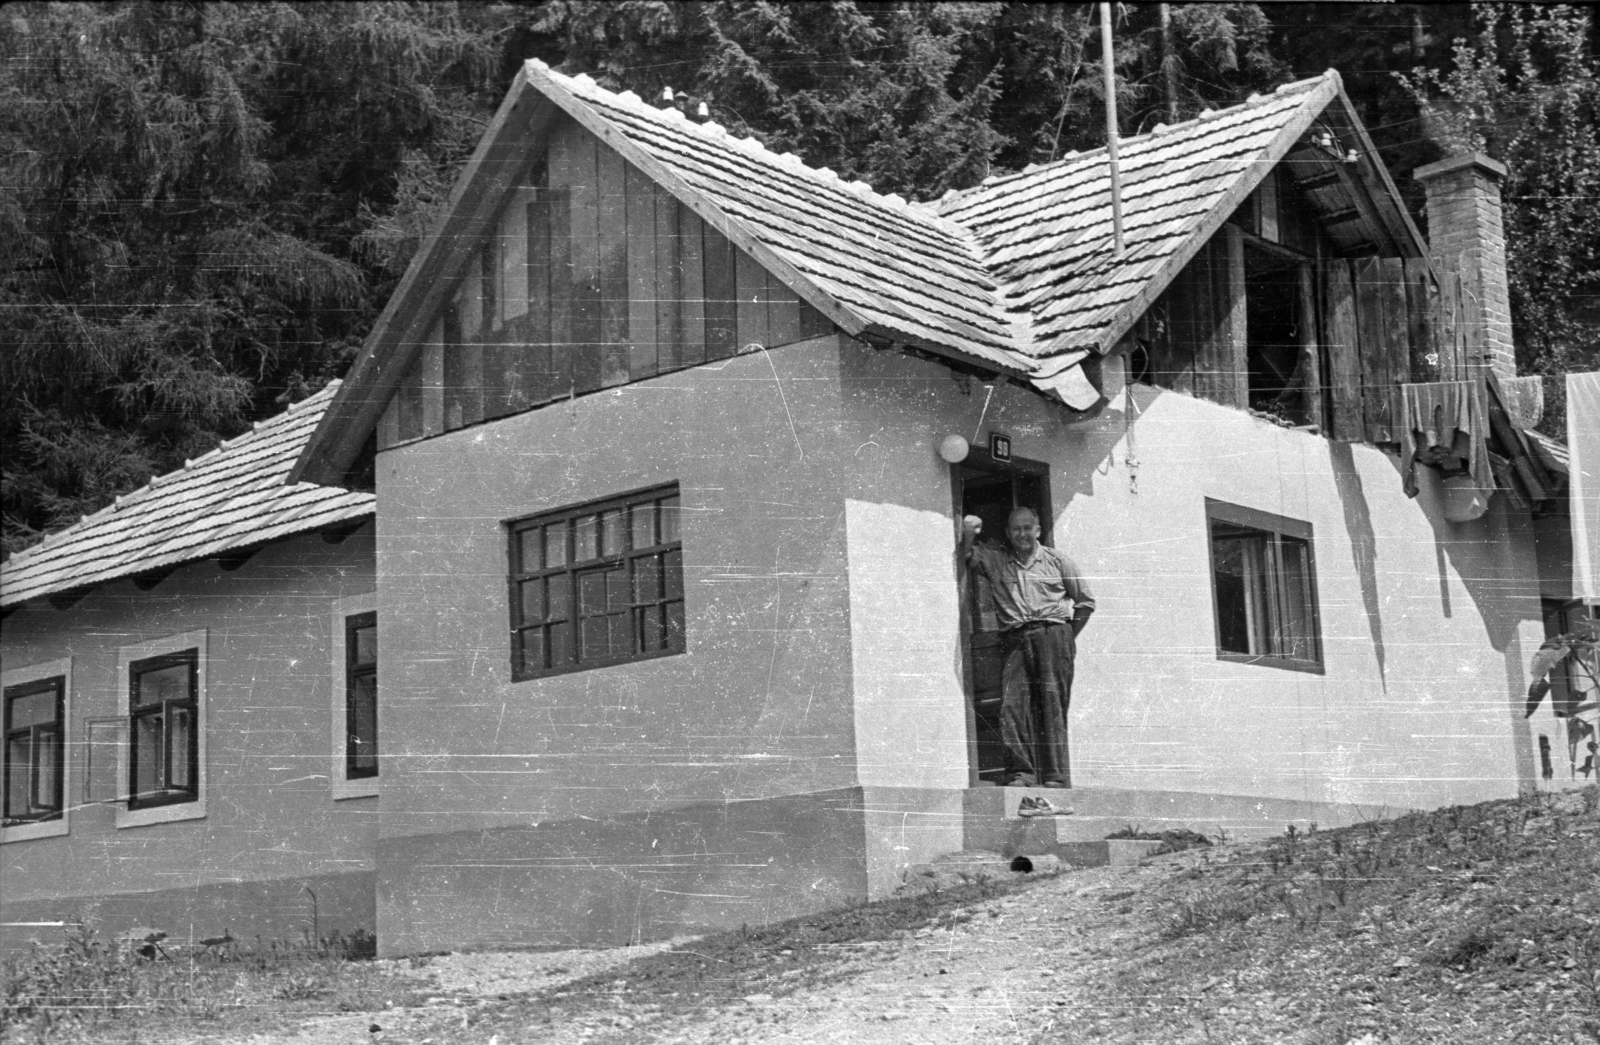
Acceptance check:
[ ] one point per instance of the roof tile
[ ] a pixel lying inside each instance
(229, 499)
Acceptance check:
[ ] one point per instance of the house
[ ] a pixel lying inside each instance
(667, 437)
(170, 663)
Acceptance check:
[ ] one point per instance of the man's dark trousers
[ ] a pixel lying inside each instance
(1036, 689)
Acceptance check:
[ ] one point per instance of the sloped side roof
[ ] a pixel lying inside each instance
(231, 498)
(1047, 234)
(886, 265)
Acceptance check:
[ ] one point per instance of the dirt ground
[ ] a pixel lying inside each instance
(1003, 970)
(1466, 926)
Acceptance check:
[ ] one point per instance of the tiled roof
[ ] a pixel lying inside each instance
(1019, 271)
(231, 498)
(1046, 234)
(1018, 274)
(897, 267)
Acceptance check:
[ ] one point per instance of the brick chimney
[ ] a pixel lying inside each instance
(1467, 236)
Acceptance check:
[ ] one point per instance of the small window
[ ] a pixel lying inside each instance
(164, 730)
(35, 715)
(597, 584)
(361, 696)
(1263, 583)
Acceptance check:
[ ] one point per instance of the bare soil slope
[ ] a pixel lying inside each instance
(1466, 925)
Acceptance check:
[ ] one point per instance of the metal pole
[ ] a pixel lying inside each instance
(1111, 126)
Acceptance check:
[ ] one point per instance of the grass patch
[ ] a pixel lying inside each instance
(1467, 924)
(90, 986)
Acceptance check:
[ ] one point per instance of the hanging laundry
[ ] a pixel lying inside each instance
(1446, 427)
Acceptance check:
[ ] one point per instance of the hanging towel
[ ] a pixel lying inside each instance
(1446, 426)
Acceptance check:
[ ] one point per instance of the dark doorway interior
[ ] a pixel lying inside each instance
(990, 490)
(1272, 329)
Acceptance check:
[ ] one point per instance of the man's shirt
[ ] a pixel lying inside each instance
(1049, 588)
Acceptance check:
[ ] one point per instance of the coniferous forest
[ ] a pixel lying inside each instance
(204, 206)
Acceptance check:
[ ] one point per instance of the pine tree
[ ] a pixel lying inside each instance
(184, 184)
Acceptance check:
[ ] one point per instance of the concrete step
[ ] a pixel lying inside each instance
(1098, 812)
(994, 834)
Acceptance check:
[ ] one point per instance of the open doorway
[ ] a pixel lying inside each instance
(1278, 382)
(990, 489)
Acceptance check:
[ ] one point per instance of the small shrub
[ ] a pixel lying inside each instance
(1209, 913)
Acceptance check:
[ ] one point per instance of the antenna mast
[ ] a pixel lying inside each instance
(1111, 126)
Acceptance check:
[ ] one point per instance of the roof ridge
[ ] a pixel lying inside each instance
(137, 495)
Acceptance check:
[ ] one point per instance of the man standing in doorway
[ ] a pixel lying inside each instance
(1042, 603)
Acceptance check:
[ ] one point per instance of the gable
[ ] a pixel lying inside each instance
(588, 275)
(1047, 233)
(1017, 277)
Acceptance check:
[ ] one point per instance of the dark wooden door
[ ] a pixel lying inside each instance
(990, 490)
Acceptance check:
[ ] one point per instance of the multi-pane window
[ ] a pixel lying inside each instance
(34, 750)
(1264, 587)
(164, 735)
(597, 584)
(361, 696)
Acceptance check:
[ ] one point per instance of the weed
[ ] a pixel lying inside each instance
(70, 989)
(1208, 912)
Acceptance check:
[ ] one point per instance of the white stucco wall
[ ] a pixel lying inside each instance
(1426, 625)
(905, 647)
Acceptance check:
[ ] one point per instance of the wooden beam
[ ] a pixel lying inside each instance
(1376, 340)
(617, 247)
(1422, 298)
(1236, 347)
(1310, 350)
(641, 217)
(433, 381)
(1319, 180)
(1392, 214)
(669, 285)
(722, 295)
(1266, 246)
(1344, 352)
(691, 231)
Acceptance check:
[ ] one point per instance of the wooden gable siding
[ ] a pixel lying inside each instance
(593, 276)
(1195, 331)
(1374, 324)
(1379, 320)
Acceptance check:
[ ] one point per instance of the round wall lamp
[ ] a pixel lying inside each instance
(954, 448)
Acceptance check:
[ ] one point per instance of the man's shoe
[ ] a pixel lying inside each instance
(1020, 780)
(1055, 783)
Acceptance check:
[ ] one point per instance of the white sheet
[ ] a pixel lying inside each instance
(1583, 447)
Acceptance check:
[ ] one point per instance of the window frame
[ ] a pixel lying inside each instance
(355, 670)
(572, 568)
(32, 676)
(1277, 529)
(185, 658)
(191, 648)
(345, 786)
